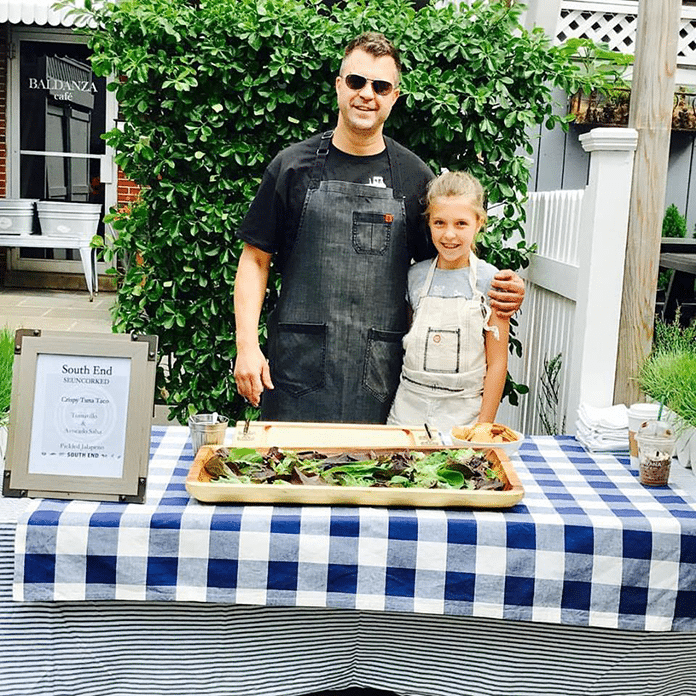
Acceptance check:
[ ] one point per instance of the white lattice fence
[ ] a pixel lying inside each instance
(614, 23)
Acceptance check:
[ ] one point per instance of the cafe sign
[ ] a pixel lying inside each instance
(62, 89)
(65, 79)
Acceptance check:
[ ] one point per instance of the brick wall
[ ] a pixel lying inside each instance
(126, 190)
(4, 40)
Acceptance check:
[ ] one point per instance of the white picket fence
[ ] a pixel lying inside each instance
(546, 321)
(573, 285)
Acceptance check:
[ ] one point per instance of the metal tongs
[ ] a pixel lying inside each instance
(245, 432)
(429, 432)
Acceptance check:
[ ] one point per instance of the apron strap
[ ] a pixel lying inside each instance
(320, 160)
(485, 307)
(473, 276)
(476, 294)
(428, 281)
(323, 151)
(394, 166)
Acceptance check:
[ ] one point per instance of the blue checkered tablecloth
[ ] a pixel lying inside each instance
(588, 546)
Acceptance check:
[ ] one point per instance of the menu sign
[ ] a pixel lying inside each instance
(79, 427)
(80, 416)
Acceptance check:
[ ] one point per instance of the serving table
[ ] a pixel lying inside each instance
(587, 586)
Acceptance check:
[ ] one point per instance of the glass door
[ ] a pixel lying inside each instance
(59, 110)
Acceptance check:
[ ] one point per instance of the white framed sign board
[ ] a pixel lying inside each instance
(80, 416)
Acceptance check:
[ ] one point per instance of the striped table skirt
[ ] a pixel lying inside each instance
(119, 648)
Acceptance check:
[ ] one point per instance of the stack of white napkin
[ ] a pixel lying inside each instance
(603, 429)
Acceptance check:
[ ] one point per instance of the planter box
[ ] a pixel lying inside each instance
(17, 216)
(602, 110)
(74, 220)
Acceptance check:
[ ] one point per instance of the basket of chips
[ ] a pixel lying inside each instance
(487, 435)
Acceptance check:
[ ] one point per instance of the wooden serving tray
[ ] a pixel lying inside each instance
(292, 435)
(199, 486)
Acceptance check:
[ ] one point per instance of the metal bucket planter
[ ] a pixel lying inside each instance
(61, 219)
(17, 216)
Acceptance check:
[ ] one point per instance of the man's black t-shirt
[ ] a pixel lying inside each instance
(273, 219)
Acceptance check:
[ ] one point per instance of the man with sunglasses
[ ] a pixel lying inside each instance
(342, 215)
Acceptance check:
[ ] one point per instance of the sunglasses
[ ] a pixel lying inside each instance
(357, 82)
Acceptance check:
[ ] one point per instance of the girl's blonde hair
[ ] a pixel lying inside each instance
(457, 184)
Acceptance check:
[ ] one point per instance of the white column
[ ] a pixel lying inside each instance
(544, 14)
(601, 254)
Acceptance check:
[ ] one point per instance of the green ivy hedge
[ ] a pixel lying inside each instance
(209, 92)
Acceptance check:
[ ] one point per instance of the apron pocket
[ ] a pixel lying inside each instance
(383, 363)
(297, 365)
(442, 350)
(371, 232)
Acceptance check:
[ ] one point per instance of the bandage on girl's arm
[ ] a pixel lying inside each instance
(496, 367)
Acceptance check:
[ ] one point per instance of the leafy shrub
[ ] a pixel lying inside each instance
(673, 222)
(673, 225)
(210, 91)
(6, 362)
(669, 373)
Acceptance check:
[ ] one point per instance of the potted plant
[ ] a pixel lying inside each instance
(610, 105)
(6, 361)
(612, 108)
(65, 219)
(669, 377)
(605, 106)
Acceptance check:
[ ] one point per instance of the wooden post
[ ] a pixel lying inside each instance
(652, 93)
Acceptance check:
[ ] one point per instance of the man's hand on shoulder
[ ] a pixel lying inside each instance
(507, 293)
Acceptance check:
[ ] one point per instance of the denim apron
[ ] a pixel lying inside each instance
(334, 338)
(445, 359)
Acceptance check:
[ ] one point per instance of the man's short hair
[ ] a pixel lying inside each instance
(376, 45)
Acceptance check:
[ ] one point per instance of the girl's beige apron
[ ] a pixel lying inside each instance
(445, 359)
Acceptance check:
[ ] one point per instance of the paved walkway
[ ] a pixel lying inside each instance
(55, 310)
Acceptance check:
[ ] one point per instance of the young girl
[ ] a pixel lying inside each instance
(455, 359)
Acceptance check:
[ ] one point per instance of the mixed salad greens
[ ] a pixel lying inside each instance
(449, 468)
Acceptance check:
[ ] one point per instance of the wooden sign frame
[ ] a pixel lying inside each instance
(80, 416)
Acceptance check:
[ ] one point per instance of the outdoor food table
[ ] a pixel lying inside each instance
(588, 586)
